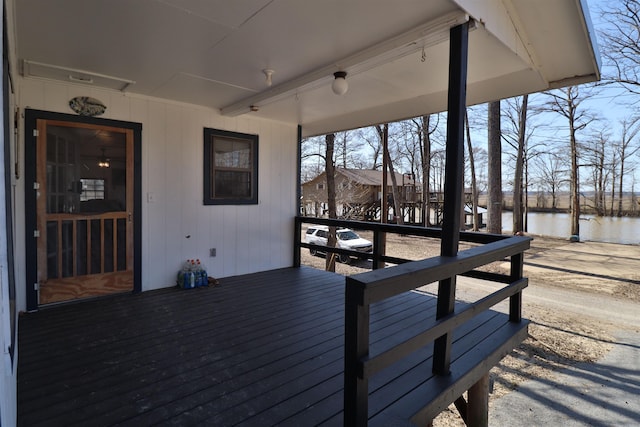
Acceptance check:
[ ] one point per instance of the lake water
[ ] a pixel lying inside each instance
(592, 228)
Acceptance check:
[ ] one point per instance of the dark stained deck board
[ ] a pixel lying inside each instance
(174, 317)
(386, 386)
(157, 342)
(260, 349)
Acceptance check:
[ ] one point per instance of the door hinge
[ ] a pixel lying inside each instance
(36, 133)
(36, 233)
(36, 286)
(36, 185)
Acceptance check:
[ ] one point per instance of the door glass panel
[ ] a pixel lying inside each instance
(86, 170)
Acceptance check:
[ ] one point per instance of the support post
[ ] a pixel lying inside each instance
(297, 235)
(478, 403)
(515, 301)
(453, 186)
(356, 347)
(381, 239)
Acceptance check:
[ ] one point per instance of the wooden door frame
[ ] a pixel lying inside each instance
(30, 120)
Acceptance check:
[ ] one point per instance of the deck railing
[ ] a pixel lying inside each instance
(378, 256)
(364, 289)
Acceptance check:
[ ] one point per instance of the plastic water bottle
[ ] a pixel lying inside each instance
(192, 274)
(201, 274)
(185, 276)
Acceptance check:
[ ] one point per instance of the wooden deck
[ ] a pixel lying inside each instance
(261, 349)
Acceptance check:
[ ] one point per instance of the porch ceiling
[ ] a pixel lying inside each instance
(212, 52)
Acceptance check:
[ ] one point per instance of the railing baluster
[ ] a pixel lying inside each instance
(74, 245)
(515, 301)
(60, 246)
(102, 240)
(89, 246)
(114, 251)
(379, 247)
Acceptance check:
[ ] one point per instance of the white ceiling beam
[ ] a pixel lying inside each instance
(500, 19)
(429, 34)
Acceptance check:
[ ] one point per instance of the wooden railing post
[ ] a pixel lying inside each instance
(356, 347)
(379, 248)
(297, 235)
(515, 301)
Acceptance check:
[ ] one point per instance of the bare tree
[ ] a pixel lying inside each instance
(552, 171)
(474, 184)
(519, 122)
(634, 197)
(596, 157)
(330, 263)
(625, 149)
(374, 143)
(614, 178)
(347, 150)
(480, 159)
(383, 131)
(566, 102)
(312, 157)
(494, 202)
(424, 129)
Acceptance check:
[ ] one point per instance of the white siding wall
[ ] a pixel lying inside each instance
(8, 368)
(247, 238)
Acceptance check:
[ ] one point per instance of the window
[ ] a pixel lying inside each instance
(92, 189)
(230, 168)
(320, 186)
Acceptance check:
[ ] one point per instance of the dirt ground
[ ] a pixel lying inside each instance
(557, 338)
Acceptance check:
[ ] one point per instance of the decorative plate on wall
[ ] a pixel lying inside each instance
(87, 106)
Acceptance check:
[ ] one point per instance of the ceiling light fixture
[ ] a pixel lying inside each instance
(103, 162)
(340, 85)
(268, 74)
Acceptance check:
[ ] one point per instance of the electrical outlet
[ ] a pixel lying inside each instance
(212, 252)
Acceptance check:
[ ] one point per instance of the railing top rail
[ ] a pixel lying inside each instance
(379, 284)
(413, 230)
